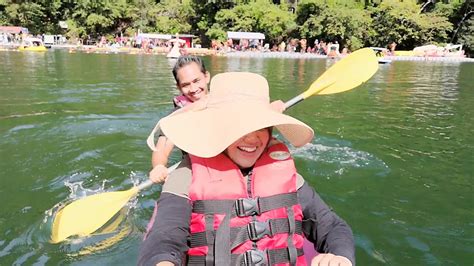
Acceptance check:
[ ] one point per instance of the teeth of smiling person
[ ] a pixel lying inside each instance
(248, 149)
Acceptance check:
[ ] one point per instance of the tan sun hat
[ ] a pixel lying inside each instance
(238, 104)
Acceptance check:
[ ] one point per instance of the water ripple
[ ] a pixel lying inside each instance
(340, 158)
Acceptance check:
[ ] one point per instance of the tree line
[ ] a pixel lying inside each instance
(353, 24)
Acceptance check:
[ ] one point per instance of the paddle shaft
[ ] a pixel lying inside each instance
(145, 184)
(294, 101)
(312, 90)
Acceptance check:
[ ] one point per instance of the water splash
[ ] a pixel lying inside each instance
(114, 231)
(77, 190)
(336, 158)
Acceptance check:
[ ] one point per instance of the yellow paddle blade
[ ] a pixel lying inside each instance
(346, 74)
(108, 236)
(84, 216)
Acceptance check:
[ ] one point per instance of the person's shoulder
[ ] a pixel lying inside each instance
(299, 181)
(179, 181)
(299, 178)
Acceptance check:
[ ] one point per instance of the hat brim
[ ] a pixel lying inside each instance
(209, 131)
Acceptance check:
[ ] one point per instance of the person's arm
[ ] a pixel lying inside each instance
(166, 241)
(329, 233)
(164, 146)
(159, 159)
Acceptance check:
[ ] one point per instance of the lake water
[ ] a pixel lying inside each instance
(393, 157)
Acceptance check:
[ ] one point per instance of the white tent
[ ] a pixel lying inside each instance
(245, 35)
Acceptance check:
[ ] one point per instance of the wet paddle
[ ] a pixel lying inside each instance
(86, 215)
(344, 75)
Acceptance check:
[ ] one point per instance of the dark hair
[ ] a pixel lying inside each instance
(186, 60)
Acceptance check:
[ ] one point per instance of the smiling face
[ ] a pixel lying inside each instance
(192, 82)
(245, 151)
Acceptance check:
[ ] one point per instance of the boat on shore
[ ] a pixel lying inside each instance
(431, 50)
(32, 44)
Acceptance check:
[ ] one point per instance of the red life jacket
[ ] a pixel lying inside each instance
(234, 222)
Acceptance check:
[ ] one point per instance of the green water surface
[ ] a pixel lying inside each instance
(393, 157)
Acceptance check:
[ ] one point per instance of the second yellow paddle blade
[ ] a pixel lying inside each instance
(84, 216)
(348, 73)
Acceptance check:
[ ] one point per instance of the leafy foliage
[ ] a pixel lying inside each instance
(29, 15)
(259, 16)
(401, 22)
(353, 23)
(167, 16)
(348, 27)
(204, 18)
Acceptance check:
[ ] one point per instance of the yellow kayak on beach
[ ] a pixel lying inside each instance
(32, 44)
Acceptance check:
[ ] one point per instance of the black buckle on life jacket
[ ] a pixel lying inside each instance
(247, 207)
(255, 257)
(257, 230)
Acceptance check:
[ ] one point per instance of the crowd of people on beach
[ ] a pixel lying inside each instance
(149, 45)
(146, 44)
(292, 45)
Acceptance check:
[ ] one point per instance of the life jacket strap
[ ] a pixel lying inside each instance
(210, 238)
(246, 206)
(254, 257)
(291, 245)
(254, 231)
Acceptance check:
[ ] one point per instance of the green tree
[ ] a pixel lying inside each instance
(353, 23)
(170, 16)
(466, 36)
(463, 20)
(204, 17)
(402, 23)
(434, 29)
(96, 17)
(3, 16)
(259, 16)
(26, 14)
(348, 26)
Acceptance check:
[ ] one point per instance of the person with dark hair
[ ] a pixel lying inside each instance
(192, 79)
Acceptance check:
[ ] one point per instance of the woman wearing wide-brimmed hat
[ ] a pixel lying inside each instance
(236, 198)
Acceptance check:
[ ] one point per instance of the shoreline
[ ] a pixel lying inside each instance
(234, 54)
(313, 56)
